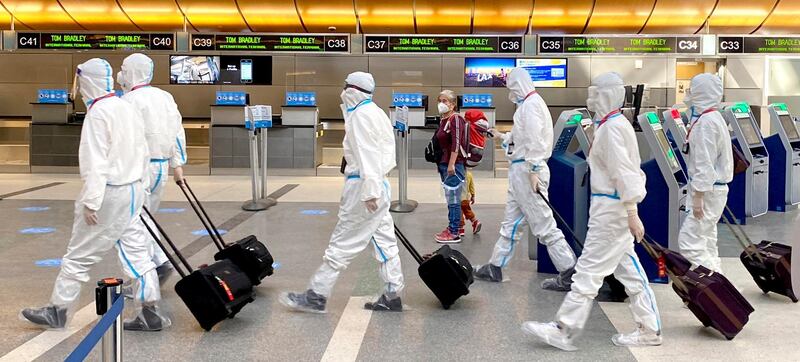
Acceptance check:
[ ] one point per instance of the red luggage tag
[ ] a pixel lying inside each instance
(225, 286)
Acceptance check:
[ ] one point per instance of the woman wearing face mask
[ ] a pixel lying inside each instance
(451, 136)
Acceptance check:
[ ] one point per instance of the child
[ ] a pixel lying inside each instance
(477, 140)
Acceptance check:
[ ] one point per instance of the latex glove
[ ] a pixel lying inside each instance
(372, 205)
(472, 199)
(697, 206)
(635, 225)
(90, 216)
(177, 174)
(451, 170)
(534, 178)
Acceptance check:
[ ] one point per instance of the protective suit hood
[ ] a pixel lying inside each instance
(353, 96)
(705, 92)
(519, 84)
(606, 94)
(137, 69)
(95, 79)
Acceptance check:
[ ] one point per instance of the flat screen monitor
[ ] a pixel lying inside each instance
(546, 72)
(667, 149)
(750, 133)
(788, 125)
(487, 72)
(225, 69)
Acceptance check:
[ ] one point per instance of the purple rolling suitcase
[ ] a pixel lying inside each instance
(709, 295)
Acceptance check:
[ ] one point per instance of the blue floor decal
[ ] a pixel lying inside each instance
(170, 211)
(204, 232)
(34, 208)
(37, 230)
(48, 263)
(314, 212)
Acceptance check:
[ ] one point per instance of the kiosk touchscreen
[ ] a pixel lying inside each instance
(749, 191)
(675, 126)
(569, 182)
(784, 166)
(661, 210)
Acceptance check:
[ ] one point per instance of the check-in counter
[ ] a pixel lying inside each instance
(55, 138)
(198, 150)
(291, 149)
(15, 145)
(330, 143)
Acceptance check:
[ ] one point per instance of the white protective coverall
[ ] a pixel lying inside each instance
(113, 159)
(163, 129)
(710, 167)
(369, 149)
(618, 183)
(528, 147)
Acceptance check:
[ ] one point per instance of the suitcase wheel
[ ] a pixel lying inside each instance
(446, 307)
(794, 300)
(729, 338)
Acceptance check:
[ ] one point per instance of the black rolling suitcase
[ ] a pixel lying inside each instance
(447, 272)
(249, 254)
(769, 263)
(709, 295)
(212, 293)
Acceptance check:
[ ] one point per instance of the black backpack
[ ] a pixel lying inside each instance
(433, 153)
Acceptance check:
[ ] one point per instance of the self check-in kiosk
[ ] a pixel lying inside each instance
(784, 156)
(749, 191)
(674, 123)
(666, 192)
(569, 183)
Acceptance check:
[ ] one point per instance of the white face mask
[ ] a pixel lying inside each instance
(443, 108)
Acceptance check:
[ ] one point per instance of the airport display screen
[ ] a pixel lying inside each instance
(334, 43)
(96, 41)
(546, 72)
(224, 69)
(750, 133)
(788, 125)
(758, 45)
(667, 148)
(581, 44)
(487, 72)
(457, 44)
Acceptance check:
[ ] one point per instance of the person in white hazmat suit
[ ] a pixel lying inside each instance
(709, 163)
(165, 136)
(364, 219)
(113, 159)
(528, 147)
(618, 185)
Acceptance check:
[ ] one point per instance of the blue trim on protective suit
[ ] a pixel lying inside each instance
(517, 161)
(647, 290)
(364, 102)
(158, 179)
(133, 270)
(383, 256)
(513, 242)
(133, 200)
(180, 149)
(353, 177)
(614, 196)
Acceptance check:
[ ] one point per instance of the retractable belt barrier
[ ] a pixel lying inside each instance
(110, 305)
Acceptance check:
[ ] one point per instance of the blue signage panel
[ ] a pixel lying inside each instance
(56, 96)
(477, 100)
(301, 98)
(231, 99)
(407, 99)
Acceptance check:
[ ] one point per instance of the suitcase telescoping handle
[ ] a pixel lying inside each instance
(198, 208)
(648, 243)
(558, 216)
(407, 244)
(746, 243)
(169, 241)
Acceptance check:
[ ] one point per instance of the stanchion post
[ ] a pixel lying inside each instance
(107, 292)
(255, 204)
(268, 201)
(403, 204)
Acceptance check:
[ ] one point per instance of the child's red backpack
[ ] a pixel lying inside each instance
(476, 136)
